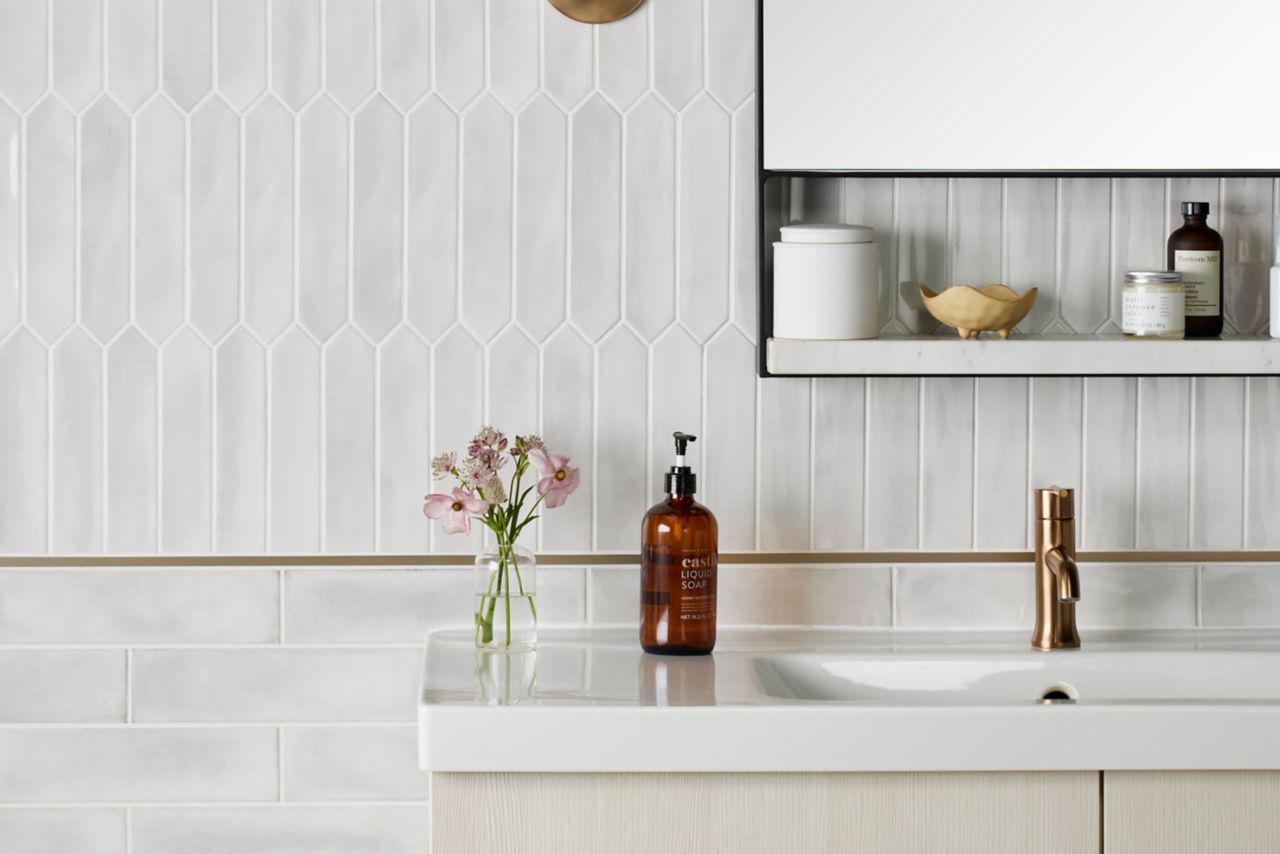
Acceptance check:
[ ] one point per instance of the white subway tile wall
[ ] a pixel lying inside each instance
(259, 261)
(228, 731)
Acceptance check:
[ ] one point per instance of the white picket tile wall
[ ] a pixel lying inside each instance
(260, 260)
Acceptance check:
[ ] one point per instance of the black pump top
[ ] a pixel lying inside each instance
(1195, 208)
(680, 479)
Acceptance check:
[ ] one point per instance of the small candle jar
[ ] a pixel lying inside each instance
(1153, 305)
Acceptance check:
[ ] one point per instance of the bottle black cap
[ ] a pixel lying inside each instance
(1195, 208)
(680, 479)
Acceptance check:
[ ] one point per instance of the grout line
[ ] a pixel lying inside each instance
(128, 829)
(280, 763)
(128, 686)
(1200, 596)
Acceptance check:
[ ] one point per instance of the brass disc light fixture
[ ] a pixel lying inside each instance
(596, 11)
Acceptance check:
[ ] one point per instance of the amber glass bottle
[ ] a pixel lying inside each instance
(1195, 251)
(678, 561)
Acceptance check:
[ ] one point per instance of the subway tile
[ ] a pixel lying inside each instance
(458, 49)
(1110, 460)
(621, 469)
(731, 68)
(350, 439)
(457, 398)
(568, 403)
(624, 59)
(215, 227)
(1030, 206)
(322, 218)
(77, 50)
(542, 178)
(160, 218)
(240, 451)
(242, 50)
(650, 217)
(269, 222)
(487, 218)
(432, 207)
(677, 50)
(1136, 597)
(104, 219)
(614, 595)
(784, 476)
(595, 218)
(11, 279)
(275, 685)
(1083, 259)
(946, 463)
(62, 686)
(569, 76)
(513, 51)
(50, 219)
(63, 831)
(705, 217)
(964, 596)
(295, 50)
(138, 764)
(675, 371)
(727, 479)
(294, 467)
(404, 449)
(1001, 502)
(76, 446)
(1240, 595)
(133, 464)
(187, 63)
(23, 57)
(769, 595)
(138, 606)
(352, 764)
(377, 215)
(403, 605)
(350, 50)
(803, 595)
(282, 830)
(405, 36)
(186, 445)
(24, 443)
(1218, 430)
(892, 486)
(1164, 447)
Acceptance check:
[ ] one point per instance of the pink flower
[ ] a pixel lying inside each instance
(456, 510)
(558, 479)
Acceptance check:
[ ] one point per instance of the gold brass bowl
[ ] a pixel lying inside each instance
(596, 11)
(971, 311)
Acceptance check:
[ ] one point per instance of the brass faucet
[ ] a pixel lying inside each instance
(1057, 577)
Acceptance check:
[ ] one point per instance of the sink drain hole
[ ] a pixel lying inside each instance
(1059, 694)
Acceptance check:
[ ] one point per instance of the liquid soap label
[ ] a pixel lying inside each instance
(1201, 272)
(696, 598)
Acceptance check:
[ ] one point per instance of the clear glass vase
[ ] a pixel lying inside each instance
(506, 588)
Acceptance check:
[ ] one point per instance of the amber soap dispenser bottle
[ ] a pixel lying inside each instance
(678, 561)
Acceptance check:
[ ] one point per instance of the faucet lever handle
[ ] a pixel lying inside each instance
(1055, 502)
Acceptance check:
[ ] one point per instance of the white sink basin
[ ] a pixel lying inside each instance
(822, 700)
(1084, 676)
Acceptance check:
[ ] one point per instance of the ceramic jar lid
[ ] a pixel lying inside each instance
(827, 233)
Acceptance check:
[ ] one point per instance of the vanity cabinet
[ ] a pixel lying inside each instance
(1191, 812)
(1121, 812)
(959, 813)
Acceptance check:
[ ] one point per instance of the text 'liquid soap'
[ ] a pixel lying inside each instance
(678, 561)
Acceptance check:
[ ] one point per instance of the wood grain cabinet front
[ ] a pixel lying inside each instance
(1191, 812)
(888, 813)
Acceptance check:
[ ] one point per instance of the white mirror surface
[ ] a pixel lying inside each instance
(1014, 85)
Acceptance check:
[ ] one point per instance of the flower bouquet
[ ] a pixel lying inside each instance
(506, 506)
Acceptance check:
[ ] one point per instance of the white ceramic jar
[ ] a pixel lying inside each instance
(826, 282)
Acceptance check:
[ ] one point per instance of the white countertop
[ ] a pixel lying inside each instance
(822, 700)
